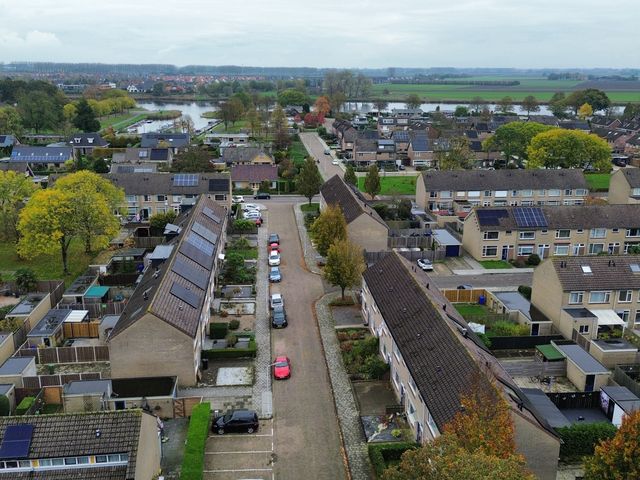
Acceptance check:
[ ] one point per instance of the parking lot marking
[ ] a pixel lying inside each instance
(244, 451)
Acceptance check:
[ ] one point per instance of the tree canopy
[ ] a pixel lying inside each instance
(594, 97)
(530, 104)
(350, 177)
(372, 183)
(513, 138)
(292, 96)
(413, 100)
(569, 149)
(457, 157)
(10, 121)
(345, 264)
(15, 189)
(585, 111)
(85, 118)
(329, 227)
(309, 180)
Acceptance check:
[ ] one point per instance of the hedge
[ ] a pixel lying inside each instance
(381, 453)
(580, 439)
(218, 330)
(25, 405)
(193, 461)
(250, 351)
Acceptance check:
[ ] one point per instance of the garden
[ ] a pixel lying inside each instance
(360, 354)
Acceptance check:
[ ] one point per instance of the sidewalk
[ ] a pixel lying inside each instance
(487, 271)
(307, 248)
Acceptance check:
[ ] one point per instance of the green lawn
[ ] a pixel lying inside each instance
(394, 185)
(121, 121)
(235, 128)
(297, 152)
(247, 253)
(46, 267)
(310, 208)
(495, 264)
(470, 309)
(598, 181)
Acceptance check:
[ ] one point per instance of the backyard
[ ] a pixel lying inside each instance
(394, 185)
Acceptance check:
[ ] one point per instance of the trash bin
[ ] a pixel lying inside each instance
(205, 363)
(482, 300)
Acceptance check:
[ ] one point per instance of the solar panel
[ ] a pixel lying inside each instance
(529, 217)
(209, 213)
(204, 232)
(191, 274)
(16, 441)
(125, 169)
(196, 255)
(490, 217)
(185, 180)
(186, 295)
(200, 243)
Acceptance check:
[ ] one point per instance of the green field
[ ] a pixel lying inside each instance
(540, 88)
(490, 264)
(394, 185)
(598, 181)
(236, 128)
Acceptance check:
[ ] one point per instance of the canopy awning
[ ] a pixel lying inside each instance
(96, 292)
(608, 317)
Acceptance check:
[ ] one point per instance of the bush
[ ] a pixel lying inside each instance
(193, 461)
(580, 439)
(533, 260)
(374, 368)
(366, 348)
(525, 291)
(342, 336)
(507, 329)
(25, 405)
(218, 330)
(5, 406)
(234, 324)
(249, 352)
(339, 302)
(381, 453)
(231, 340)
(309, 218)
(519, 263)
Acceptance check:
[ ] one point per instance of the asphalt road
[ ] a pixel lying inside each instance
(307, 440)
(486, 280)
(315, 146)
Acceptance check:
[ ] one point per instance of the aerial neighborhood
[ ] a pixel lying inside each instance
(316, 273)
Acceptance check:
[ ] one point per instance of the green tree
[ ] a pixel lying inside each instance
(345, 264)
(594, 97)
(231, 111)
(513, 138)
(558, 105)
(309, 180)
(457, 157)
(569, 149)
(85, 118)
(413, 101)
(372, 184)
(461, 111)
(160, 220)
(292, 96)
(617, 458)
(193, 160)
(380, 104)
(476, 104)
(350, 177)
(14, 190)
(158, 89)
(328, 227)
(99, 165)
(10, 121)
(253, 119)
(403, 209)
(5, 406)
(39, 111)
(530, 104)
(505, 104)
(282, 139)
(25, 279)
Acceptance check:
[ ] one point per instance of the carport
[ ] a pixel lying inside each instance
(451, 245)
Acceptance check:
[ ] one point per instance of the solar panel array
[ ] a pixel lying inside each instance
(490, 217)
(196, 255)
(16, 442)
(209, 213)
(529, 217)
(204, 232)
(191, 274)
(185, 180)
(188, 296)
(200, 243)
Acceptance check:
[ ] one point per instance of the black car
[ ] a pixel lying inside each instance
(261, 196)
(236, 421)
(279, 317)
(273, 238)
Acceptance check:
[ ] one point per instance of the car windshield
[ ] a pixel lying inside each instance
(226, 418)
(274, 254)
(281, 363)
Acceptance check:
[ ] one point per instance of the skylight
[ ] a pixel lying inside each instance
(635, 268)
(586, 269)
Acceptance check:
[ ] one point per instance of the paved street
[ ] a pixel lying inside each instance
(316, 147)
(307, 440)
(486, 280)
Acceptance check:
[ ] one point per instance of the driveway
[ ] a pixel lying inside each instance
(315, 146)
(306, 435)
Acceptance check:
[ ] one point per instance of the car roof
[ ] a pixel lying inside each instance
(276, 295)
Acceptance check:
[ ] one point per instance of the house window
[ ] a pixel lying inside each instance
(445, 194)
(413, 386)
(563, 233)
(613, 248)
(554, 192)
(542, 193)
(526, 193)
(580, 230)
(131, 198)
(527, 203)
(433, 194)
(584, 329)
(473, 193)
(491, 235)
(501, 193)
(581, 192)
(177, 198)
(147, 198)
(624, 314)
(553, 203)
(514, 193)
(396, 352)
(525, 250)
(219, 197)
(487, 193)
(486, 204)
(633, 232)
(432, 425)
(461, 193)
(598, 233)
(624, 296)
(527, 235)
(489, 251)
(162, 198)
(561, 249)
(599, 297)
(635, 192)
(578, 249)
(575, 298)
(567, 202)
(568, 192)
(596, 248)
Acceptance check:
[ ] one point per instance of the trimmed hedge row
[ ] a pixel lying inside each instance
(218, 330)
(250, 351)
(25, 405)
(580, 439)
(381, 453)
(193, 461)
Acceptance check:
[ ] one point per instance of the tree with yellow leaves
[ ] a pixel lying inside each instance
(15, 188)
(322, 106)
(585, 111)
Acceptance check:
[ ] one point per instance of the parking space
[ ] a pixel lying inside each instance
(241, 456)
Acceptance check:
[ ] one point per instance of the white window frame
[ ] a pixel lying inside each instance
(606, 296)
(576, 298)
(625, 296)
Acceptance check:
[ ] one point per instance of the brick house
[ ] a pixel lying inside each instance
(252, 176)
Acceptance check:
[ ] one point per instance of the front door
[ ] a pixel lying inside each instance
(505, 253)
(535, 329)
(591, 380)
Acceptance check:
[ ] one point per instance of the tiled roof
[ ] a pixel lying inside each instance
(336, 192)
(154, 293)
(67, 435)
(607, 272)
(538, 179)
(420, 141)
(175, 140)
(20, 167)
(81, 140)
(241, 154)
(41, 154)
(631, 175)
(118, 472)
(163, 184)
(254, 173)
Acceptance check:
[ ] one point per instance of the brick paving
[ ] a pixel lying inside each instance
(308, 250)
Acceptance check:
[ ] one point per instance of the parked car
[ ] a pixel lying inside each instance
(466, 286)
(282, 368)
(252, 215)
(251, 206)
(425, 264)
(276, 300)
(274, 247)
(236, 421)
(327, 151)
(262, 196)
(274, 238)
(274, 274)
(279, 317)
(335, 162)
(274, 258)
(258, 221)
(237, 199)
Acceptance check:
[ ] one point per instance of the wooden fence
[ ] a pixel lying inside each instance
(183, 406)
(97, 310)
(533, 368)
(65, 354)
(148, 242)
(624, 376)
(41, 381)
(81, 330)
(464, 296)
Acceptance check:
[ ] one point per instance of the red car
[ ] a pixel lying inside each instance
(274, 246)
(282, 368)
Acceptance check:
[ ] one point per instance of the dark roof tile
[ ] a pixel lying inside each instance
(605, 272)
(438, 180)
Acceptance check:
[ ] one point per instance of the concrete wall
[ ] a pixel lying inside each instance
(148, 458)
(472, 238)
(367, 232)
(422, 196)
(611, 358)
(539, 447)
(150, 348)
(619, 189)
(546, 292)
(6, 348)
(579, 379)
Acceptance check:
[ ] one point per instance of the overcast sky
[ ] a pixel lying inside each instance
(325, 33)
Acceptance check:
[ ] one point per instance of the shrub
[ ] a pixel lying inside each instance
(231, 340)
(339, 302)
(366, 348)
(533, 260)
(342, 336)
(374, 367)
(218, 330)
(485, 339)
(5, 406)
(193, 461)
(309, 218)
(525, 291)
(25, 405)
(234, 324)
(249, 352)
(381, 453)
(519, 263)
(507, 329)
(346, 346)
(580, 439)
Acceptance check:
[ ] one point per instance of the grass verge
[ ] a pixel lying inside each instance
(394, 185)
(193, 462)
(310, 208)
(470, 309)
(491, 264)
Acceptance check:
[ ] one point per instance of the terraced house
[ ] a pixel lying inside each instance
(456, 192)
(512, 232)
(625, 186)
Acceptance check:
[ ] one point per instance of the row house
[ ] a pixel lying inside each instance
(434, 359)
(616, 138)
(456, 192)
(369, 151)
(135, 156)
(83, 144)
(624, 186)
(177, 142)
(246, 156)
(163, 326)
(41, 158)
(147, 194)
(516, 232)
(252, 176)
